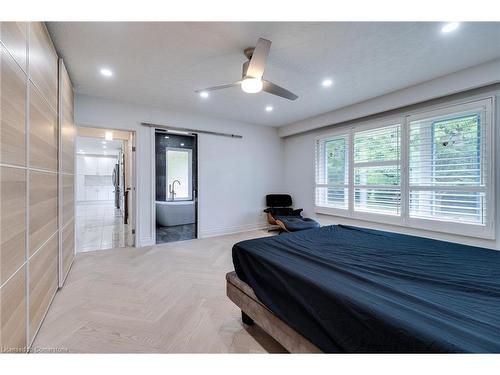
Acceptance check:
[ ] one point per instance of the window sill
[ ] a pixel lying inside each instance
(435, 226)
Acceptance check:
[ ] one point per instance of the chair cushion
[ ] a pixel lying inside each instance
(297, 223)
(278, 200)
(281, 211)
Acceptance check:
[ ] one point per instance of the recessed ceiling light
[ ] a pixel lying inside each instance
(106, 72)
(269, 108)
(204, 94)
(449, 27)
(327, 83)
(167, 137)
(182, 144)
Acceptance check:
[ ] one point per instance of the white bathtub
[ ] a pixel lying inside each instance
(169, 213)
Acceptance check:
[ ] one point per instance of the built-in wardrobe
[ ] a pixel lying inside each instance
(37, 137)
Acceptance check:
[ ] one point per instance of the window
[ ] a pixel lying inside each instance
(332, 172)
(377, 170)
(448, 167)
(430, 170)
(179, 169)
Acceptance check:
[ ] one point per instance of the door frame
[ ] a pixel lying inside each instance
(196, 186)
(134, 180)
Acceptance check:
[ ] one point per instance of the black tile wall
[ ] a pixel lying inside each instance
(161, 143)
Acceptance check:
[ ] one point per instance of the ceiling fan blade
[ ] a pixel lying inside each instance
(274, 89)
(220, 87)
(259, 58)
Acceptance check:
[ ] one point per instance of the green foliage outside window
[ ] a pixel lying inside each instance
(336, 161)
(377, 146)
(456, 151)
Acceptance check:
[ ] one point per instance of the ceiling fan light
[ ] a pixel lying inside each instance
(251, 85)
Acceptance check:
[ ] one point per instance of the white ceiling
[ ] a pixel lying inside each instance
(161, 64)
(95, 146)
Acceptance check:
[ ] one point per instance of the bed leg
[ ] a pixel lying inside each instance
(246, 319)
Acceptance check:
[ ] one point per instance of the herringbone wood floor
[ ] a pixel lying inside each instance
(162, 299)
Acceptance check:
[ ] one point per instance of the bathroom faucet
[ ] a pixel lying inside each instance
(172, 189)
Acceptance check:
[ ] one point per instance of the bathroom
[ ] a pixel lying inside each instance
(176, 186)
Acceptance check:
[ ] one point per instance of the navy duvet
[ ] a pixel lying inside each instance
(348, 289)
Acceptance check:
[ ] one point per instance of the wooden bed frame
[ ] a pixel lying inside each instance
(254, 311)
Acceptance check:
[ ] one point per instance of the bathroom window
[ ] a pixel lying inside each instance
(179, 173)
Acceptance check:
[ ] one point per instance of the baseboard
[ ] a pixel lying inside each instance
(145, 241)
(213, 232)
(204, 233)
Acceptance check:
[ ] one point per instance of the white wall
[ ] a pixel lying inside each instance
(299, 178)
(234, 174)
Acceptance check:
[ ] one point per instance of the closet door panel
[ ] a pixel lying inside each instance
(68, 247)
(43, 208)
(14, 37)
(66, 118)
(13, 313)
(12, 111)
(68, 198)
(43, 63)
(42, 283)
(43, 133)
(12, 220)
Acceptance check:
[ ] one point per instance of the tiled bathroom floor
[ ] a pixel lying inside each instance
(175, 233)
(99, 226)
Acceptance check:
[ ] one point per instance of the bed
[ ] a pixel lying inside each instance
(343, 289)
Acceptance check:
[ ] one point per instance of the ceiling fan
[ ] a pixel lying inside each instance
(253, 71)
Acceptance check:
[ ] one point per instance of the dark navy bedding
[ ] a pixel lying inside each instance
(349, 289)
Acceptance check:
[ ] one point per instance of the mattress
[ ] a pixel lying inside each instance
(354, 290)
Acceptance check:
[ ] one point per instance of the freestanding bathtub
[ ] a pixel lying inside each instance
(170, 213)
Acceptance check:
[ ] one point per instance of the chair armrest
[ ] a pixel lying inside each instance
(298, 211)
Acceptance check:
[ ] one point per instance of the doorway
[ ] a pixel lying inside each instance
(176, 182)
(105, 199)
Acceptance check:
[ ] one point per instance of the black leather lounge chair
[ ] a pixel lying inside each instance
(280, 212)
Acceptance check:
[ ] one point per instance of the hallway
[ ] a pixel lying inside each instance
(99, 226)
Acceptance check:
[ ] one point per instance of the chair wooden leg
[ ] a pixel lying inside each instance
(282, 226)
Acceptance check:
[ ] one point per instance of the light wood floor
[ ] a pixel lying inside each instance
(168, 298)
